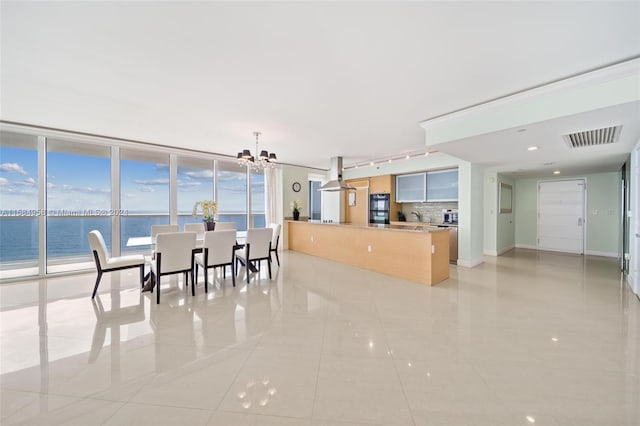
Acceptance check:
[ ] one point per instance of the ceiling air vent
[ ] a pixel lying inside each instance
(593, 137)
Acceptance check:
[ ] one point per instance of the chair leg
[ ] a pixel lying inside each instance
(277, 258)
(95, 289)
(206, 279)
(233, 275)
(158, 289)
(224, 272)
(142, 275)
(269, 267)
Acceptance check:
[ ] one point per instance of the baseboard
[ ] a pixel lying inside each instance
(490, 253)
(601, 253)
(470, 264)
(527, 246)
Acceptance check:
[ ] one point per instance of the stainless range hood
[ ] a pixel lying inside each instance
(335, 175)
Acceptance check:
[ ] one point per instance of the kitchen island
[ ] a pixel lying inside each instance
(419, 254)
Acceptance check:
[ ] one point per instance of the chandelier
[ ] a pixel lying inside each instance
(263, 161)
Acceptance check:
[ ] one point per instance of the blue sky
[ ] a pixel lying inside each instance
(83, 182)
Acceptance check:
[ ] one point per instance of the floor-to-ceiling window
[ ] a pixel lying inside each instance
(55, 189)
(257, 199)
(18, 204)
(78, 187)
(194, 183)
(232, 193)
(144, 194)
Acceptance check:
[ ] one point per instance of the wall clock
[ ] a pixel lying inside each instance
(296, 186)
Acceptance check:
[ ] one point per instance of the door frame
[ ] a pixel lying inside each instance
(584, 212)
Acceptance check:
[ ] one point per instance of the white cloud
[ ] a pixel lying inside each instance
(4, 181)
(26, 182)
(188, 184)
(146, 189)
(51, 185)
(152, 181)
(200, 174)
(12, 168)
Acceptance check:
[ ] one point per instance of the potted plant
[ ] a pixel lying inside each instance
(296, 206)
(209, 213)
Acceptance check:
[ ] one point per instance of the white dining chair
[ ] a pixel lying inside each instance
(194, 227)
(159, 229)
(256, 249)
(275, 239)
(218, 251)
(225, 226)
(106, 263)
(174, 254)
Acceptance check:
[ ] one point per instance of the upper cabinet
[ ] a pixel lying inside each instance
(442, 185)
(381, 184)
(436, 186)
(411, 188)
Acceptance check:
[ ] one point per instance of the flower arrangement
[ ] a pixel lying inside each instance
(296, 206)
(209, 210)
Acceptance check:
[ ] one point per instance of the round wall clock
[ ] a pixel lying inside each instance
(296, 186)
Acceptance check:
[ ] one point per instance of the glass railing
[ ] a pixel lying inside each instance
(18, 246)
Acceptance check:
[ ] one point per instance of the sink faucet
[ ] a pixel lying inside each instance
(418, 216)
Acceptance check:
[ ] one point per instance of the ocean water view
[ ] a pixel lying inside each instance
(67, 236)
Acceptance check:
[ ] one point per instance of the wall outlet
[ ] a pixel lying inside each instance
(312, 238)
(369, 249)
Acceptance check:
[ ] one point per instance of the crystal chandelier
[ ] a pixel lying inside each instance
(263, 161)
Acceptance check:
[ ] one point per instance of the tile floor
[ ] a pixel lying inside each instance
(525, 338)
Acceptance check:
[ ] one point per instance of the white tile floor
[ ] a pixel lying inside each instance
(526, 337)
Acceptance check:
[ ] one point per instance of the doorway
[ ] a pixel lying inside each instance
(561, 216)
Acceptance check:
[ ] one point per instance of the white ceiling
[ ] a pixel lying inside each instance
(318, 79)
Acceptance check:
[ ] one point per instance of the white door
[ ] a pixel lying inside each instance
(634, 242)
(561, 216)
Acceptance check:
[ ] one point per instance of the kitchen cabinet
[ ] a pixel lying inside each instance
(411, 188)
(381, 184)
(442, 185)
(435, 186)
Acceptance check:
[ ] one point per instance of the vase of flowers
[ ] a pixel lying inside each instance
(296, 206)
(209, 213)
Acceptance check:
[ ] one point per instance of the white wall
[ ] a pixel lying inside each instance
(634, 241)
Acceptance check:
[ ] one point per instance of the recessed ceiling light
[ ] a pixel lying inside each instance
(356, 166)
(390, 160)
(532, 148)
(371, 163)
(522, 130)
(407, 157)
(426, 154)
(557, 172)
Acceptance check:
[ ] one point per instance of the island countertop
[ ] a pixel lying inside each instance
(419, 254)
(392, 227)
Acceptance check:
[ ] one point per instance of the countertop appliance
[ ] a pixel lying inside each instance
(449, 216)
(379, 208)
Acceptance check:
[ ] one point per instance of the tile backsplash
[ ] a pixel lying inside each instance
(431, 212)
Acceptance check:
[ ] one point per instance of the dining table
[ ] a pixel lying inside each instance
(148, 240)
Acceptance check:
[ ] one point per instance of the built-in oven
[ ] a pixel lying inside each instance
(379, 208)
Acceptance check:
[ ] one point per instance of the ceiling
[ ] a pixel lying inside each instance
(322, 79)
